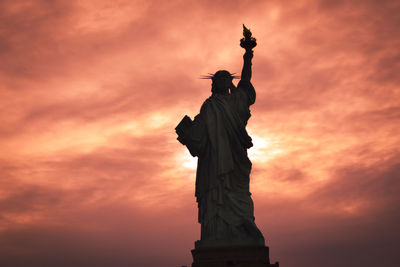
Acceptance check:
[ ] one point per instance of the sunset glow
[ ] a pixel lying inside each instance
(91, 173)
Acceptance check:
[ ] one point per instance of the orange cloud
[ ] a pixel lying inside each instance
(92, 173)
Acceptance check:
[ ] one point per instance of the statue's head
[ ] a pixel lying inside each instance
(222, 82)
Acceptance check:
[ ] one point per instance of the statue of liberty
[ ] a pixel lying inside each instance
(218, 137)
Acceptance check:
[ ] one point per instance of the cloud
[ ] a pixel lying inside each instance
(340, 218)
(92, 173)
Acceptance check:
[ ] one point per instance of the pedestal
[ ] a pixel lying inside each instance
(232, 257)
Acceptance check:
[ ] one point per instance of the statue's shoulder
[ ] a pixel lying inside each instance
(206, 104)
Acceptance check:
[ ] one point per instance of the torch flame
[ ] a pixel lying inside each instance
(246, 32)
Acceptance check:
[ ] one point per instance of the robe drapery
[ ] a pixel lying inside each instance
(218, 137)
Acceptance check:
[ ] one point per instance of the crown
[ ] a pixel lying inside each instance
(220, 74)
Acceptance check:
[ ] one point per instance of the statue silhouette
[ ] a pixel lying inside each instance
(218, 137)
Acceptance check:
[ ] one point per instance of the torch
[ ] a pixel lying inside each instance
(248, 42)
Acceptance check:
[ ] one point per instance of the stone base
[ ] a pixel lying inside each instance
(232, 257)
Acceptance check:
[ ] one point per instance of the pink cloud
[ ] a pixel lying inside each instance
(92, 174)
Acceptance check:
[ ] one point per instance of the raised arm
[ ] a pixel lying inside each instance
(245, 88)
(246, 71)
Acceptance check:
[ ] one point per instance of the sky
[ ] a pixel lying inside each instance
(91, 173)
